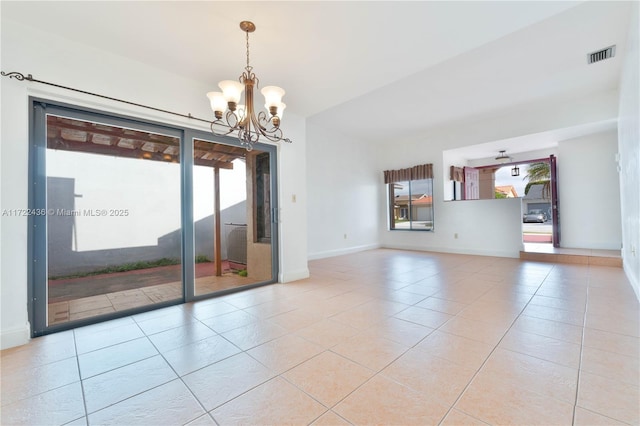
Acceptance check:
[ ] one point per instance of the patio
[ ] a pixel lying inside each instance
(77, 298)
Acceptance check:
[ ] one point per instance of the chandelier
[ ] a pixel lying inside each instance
(231, 116)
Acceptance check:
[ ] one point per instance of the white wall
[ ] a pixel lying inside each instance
(488, 227)
(589, 192)
(629, 148)
(70, 63)
(292, 183)
(479, 227)
(344, 197)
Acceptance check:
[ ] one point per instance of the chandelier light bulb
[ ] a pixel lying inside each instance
(218, 103)
(272, 95)
(232, 90)
(278, 108)
(281, 107)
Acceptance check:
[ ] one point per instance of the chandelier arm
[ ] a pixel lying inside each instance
(231, 117)
(220, 123)
(248, 139)
(268, 125)
(274, 137)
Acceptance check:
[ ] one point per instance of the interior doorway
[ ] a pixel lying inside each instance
(532, 182)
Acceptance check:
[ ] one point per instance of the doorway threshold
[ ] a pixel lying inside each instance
(548, 253)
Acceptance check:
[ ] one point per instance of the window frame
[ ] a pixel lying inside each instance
(391, 199)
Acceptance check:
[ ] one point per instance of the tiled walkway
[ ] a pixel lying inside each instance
(87, 307)
(379, 337)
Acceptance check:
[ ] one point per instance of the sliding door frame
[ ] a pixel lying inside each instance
(37, 268)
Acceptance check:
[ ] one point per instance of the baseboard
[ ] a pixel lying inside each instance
(15, 337)
(633, 280)
(342, 251)
(300, 274)
(483, 252)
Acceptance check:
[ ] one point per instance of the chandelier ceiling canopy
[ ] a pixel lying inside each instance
(242, 119)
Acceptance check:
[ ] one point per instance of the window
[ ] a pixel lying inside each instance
(410, 198)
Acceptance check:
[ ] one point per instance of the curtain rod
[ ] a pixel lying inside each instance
(20, 77)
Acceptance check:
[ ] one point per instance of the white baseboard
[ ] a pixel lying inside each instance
(482, 252)
(340, 252)
(289, 276)
(632, 279)
(15, 337)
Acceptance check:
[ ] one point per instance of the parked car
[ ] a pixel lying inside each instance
(534, 216)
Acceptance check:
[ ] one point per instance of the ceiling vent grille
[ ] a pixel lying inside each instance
(602, 54)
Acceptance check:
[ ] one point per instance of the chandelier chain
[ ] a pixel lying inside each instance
(248, 66)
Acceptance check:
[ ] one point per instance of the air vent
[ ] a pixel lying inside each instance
(602, 54)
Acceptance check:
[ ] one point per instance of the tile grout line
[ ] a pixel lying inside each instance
(173, 369)
(129, 397)
(84, 400)
(492, 351)
(584, 327)
(375, 373)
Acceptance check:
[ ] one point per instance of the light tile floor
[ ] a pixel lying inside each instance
(379, 337)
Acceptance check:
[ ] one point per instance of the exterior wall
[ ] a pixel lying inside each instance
(30, 50)
(65, 259)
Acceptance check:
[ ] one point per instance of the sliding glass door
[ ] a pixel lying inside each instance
(232, 217)
(127, 217)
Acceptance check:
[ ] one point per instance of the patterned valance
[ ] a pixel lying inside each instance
(423, 171)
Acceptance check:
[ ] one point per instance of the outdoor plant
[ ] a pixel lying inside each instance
(539, 173)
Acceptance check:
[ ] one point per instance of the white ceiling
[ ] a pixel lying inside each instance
(373, 69)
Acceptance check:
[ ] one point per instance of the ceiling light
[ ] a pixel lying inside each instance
(231, 116)
(503, 157)
(515, 171)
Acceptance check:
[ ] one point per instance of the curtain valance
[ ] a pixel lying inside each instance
(423, 171)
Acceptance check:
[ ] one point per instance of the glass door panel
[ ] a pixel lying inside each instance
(232, 217)
(113, 219)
